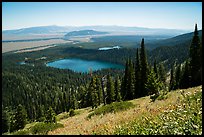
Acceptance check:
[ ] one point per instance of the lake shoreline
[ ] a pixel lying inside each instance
(82, 65)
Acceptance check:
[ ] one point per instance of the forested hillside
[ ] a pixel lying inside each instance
(179, 40)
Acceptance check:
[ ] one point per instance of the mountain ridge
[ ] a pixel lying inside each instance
(66, 29)
(176, 40)
(84, 33)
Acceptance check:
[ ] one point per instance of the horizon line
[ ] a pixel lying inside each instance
(94, 26)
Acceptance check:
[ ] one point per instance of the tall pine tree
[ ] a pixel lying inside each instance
(110, 90)
(185, 79)
(178, 76)
(196, 59)
(124, 85)
(103, 83)
(172, 78)
(130, 82)
(144, 69)
(50, 116)
(162, 75)
(92, 96)
(153, 85)
(137, 76)
(117, 89)
(156, 69)
(99, 91)
(5, 122)
(20, 117)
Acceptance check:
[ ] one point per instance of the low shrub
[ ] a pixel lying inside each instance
(21, 132)
(42, 128)
(161, 96)
(62, 116)
(113, 107)
(72, 112)
(42, 119)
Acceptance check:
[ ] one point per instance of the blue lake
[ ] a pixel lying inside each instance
(79, 65)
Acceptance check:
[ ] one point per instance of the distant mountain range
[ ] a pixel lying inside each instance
(112, 29)
(36, 30)
(84, 33)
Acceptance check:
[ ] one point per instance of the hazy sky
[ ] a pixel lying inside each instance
(173, 15)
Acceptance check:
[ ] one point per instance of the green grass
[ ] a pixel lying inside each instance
(21, 132)
(42, 128)
(39, 128)
(113, 107)
(185, 118)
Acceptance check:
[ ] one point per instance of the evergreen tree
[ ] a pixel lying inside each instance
(12, 122)
(94, 99)
(162, 74)
(156, 69)
(99, 91)
(20, 117)
(88, 98)
(50, 116)
(144, 69)
(69, 98)
(65, 99)
(110, 90)
(196, 59)
(4, 122)
(82, 91)
(153, 85)
(130, 81)
(42, 109)
(33, 112)
(124, 85)
(185, 79)
(178, 77)
(137, 76)
(117, 90)
(172, 78)
(92, 96)
(103, 83)
(74, 102)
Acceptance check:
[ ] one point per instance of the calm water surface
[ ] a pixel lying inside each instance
(79, 65)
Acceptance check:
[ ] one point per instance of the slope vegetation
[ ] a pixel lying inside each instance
(125, 122)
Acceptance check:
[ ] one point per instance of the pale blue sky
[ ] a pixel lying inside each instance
(173, 15)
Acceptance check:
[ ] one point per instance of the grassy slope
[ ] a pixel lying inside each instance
(107, 123)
